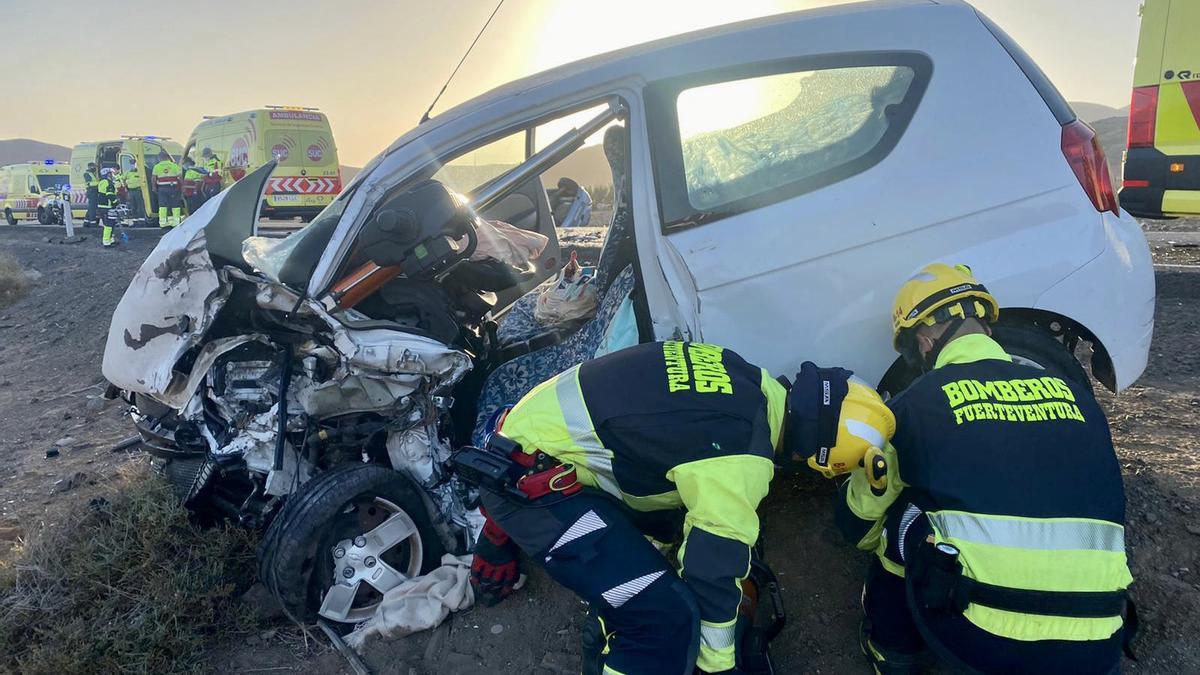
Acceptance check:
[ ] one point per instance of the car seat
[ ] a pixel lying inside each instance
(518, 324)
(513, 379)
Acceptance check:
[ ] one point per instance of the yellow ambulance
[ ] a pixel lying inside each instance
(299, 139)
(120, 155)
(1161, 174)
(22, 186)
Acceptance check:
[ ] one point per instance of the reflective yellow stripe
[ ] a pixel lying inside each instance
(1047, 534)
(579, 425)
(776, 397)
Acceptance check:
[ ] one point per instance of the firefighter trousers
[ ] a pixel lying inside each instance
(93, 206)
(137, 209)
(586, 543)
(893, 632)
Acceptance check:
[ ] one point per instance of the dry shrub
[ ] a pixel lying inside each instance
(124, 586)
(13, 282)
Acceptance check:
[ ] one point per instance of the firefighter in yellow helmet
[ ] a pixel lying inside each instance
(999, 527)
(167, 178)
(659, 439)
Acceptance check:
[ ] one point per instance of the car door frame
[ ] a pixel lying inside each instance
(412, 155)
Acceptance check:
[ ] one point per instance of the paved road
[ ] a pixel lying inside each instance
(1185, 238)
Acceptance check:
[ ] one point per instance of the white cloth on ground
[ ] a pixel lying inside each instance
(420, 603)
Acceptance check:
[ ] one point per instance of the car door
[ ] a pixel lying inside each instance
(764, 179)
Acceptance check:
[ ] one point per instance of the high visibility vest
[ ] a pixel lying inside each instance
(666, 425)
(1015, 469)
(166, 174)
(191, 182)
(213, 166)
(90, 179)
(133, 179)
(107, 192)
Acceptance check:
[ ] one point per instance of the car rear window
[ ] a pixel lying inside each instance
(749, 139)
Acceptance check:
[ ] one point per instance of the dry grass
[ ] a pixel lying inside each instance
(13, 282)
(130, 586)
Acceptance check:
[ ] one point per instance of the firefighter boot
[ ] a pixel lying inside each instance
(595, 643)
(162, 217)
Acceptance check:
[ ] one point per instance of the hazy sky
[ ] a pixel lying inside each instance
(157, 66)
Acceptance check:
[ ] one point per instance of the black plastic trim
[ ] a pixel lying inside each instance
(676, 211)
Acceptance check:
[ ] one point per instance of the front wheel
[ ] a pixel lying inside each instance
(344, 539)
(44, 216)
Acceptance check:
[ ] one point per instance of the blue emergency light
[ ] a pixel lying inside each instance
(150, 138)
(48, 162)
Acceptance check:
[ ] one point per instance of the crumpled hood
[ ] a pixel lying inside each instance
(176, 294)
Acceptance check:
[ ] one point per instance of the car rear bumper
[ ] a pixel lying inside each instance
(1112, 296)
(284, 212)
(1151, 190)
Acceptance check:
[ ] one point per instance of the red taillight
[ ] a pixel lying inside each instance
(1135, 183)
(1082, 150)
(1143, 110)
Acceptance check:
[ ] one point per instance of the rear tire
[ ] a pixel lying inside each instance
(1032, 346)
(1027, 344)
(296, 558)
(8, 215)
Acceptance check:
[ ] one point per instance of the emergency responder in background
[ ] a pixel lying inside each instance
(211, 185)
(192, 177)
(106, 191)
(1000, 534)
(642, 433)
(167, 176)
(91, 179)
(133, 185)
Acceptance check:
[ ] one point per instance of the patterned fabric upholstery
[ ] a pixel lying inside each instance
(519, 323)
(513, 379)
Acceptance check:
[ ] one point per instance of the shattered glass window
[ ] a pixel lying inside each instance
(744, 137)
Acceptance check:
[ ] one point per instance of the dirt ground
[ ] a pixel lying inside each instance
(50, 349)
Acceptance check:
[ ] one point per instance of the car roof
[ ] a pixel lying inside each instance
(648, 56)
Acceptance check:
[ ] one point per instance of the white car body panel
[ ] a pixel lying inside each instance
(166, 311)
(978, 177)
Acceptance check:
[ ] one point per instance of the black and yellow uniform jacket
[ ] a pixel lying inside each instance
(1015, 469)
(671, 425)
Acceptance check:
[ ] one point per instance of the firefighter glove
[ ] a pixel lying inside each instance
(494, 570)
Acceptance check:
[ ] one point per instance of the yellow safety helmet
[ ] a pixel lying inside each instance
(834, 419)
(938, 293)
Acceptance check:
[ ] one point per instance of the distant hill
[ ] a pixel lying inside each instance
(17, 150)
(1112, 134)
(1092, 112)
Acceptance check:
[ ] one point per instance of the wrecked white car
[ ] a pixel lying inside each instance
(772, 183)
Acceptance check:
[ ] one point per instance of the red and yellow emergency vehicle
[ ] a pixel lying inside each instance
(299, 139)
(1161, 175)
